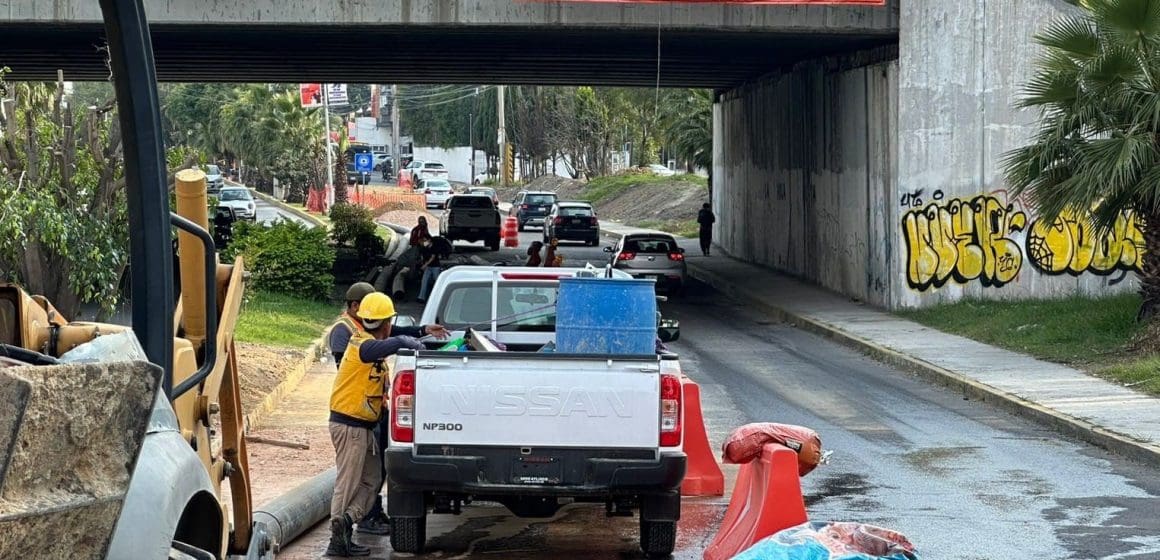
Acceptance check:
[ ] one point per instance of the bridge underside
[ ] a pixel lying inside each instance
(450, 54)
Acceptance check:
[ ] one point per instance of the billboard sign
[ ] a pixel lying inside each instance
(310, 95)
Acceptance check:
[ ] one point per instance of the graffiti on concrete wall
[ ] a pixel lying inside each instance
(985, 238)
(1069, 245)
(964, 239)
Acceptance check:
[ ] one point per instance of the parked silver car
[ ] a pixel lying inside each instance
(651, 255)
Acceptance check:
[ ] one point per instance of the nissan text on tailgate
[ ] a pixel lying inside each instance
(531, 430)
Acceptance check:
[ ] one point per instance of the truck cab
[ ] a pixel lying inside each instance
(529, 429)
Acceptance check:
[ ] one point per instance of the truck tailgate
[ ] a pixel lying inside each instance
(537, 400)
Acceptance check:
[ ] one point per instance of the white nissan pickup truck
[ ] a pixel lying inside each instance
(531, 430)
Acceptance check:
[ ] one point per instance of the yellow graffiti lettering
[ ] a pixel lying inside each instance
(1069, 244)
(964, 240)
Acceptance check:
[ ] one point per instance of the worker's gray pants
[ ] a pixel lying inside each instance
(359, 479)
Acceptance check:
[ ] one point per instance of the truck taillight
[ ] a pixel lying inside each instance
(670, 410)
(403, 407)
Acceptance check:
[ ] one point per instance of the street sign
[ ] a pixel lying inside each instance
(336, 94)
(364, 162)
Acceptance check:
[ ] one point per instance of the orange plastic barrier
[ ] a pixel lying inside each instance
(703, 477)
(510, 232)
(378, 198)
(767, 499)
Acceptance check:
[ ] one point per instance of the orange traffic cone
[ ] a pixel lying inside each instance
(703, 476)
(510, 233)
(766, 499)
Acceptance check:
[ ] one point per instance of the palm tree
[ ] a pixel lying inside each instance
(688, 126)
(1097, 150)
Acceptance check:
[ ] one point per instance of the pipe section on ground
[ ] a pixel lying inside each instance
(290, 515)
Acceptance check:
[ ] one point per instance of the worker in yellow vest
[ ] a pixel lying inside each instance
(356, 404)
(348, 322)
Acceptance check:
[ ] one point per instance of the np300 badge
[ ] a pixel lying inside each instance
(442, 427)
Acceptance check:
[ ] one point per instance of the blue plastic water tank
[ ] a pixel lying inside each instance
(606, 316)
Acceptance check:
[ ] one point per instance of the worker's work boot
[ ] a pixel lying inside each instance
(355, 548)
(340, 540)
(374, 525)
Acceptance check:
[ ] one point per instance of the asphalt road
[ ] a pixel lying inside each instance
(961, 479)
(269, 213)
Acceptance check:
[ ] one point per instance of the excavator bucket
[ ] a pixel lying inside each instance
(70, 435)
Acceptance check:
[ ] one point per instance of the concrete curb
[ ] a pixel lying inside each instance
(282, 205)
(1120, 444)
(256, 418)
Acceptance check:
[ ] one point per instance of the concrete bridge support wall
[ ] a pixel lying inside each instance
(803, 168)
(883, 179)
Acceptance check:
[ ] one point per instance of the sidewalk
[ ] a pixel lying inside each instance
(1096, 411)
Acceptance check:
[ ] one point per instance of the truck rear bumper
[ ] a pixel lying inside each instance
(507, 472)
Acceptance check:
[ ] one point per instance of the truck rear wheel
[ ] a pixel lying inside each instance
(657, 538)
(409, 534)
(493, 244)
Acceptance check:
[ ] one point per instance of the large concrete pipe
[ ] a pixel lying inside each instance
(293, 513)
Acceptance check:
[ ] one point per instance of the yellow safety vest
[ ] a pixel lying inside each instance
(358, 387)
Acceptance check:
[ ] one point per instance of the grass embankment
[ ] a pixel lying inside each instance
(1095, 334)
(680, 228)
(602, 188)
(282, 320)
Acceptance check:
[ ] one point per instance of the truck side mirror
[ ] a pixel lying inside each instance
(608, 249)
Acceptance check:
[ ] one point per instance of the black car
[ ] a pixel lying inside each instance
(572, 221)
(353, 176)
(531, 208)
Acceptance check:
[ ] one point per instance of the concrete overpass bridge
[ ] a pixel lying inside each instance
(447, 41)
(856, 147)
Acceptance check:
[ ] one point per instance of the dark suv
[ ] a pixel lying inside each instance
(572, 221)
(531, 207)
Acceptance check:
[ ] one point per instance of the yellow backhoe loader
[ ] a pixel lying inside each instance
(128, 459)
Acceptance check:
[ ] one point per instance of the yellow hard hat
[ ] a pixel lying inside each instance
(376, 306)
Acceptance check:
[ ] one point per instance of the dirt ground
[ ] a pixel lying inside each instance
(409, 218)
(261, 369)
(301, 418)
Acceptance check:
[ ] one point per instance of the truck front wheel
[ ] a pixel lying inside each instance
(409, 534)
(657, 538)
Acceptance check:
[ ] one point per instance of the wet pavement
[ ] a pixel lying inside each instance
(961, 479)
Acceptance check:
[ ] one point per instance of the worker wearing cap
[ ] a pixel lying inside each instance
(356, 404)
(348, 323)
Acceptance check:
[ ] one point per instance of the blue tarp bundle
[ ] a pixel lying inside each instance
(832, 541)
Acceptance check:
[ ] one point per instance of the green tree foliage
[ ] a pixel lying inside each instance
(348, 221)
(687, 123)
(1097, 87)
(285, 258)
(62, 205)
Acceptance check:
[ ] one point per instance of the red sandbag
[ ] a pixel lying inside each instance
(745, 443)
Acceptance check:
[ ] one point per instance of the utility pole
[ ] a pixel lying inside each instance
(471, 132)
(502, 139)
(395, 129)
(329, 156)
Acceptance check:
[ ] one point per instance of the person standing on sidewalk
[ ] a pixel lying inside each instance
(431, 266)
(706, 218)
(356, 406)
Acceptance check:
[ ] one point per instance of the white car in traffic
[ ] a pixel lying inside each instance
(437, 191)
(240, 199)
